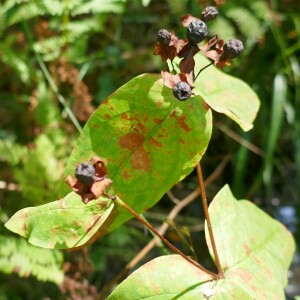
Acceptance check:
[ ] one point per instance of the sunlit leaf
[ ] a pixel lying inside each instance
(226, 94)
(255, 252)
(148, 138)
(65, 223)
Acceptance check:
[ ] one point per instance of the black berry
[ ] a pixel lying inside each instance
(196, 31)
(85, 173)
(164, 37)
(209, 13)
(233, 48)
(182, 91)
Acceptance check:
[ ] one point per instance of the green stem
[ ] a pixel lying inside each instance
(51, 82)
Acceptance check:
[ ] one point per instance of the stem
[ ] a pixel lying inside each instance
(202, 70)
(164, 240)
(51, 82)
(207, 218)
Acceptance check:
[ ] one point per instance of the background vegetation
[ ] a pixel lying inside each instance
(60, 59)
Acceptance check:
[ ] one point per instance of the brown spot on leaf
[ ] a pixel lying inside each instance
(131, 140)
(247, 249)
(126, 175)
(205, 105)
(181, 141)
(24, 227)
(125, 116)
(140, 159)
(106, 116)
(155, 143)
(182, 123)
(141, 127)
(157, 121)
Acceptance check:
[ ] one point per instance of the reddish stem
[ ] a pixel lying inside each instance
(207, 218)
(163, 239)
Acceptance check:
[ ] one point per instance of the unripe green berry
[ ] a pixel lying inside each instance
(182, 91)
(196, 31)
(233, 48)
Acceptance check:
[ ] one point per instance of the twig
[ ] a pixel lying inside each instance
(202, 70)
(163, 239)
(163, 228)
(240, 140)
(206, 214)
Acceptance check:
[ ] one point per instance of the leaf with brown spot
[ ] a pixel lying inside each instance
(145, 156)
(65, 223)
(255, 252)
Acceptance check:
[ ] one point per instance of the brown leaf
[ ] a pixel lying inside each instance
(187, 19)
(169, 79)
(212, 42)
(217, 54)
(99, 188)
(170, 51)
(188, 78)
(99, 166)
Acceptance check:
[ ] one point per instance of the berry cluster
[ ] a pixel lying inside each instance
(90, 180)
(169, 46)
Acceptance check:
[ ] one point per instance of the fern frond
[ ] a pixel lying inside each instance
(14, 60)
(248, 24)
(9, 4)
(11, 152)
(223, 28)
(99, 6)
(261, 10)
(24, 12)
(17, 256)
(50, 48)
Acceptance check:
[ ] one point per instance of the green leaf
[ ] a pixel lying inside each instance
(150, 140)
(226, 94)
(255, 252)
(65, 223)
(163, 278)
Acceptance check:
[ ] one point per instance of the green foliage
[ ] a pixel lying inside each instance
(17, 256)
(226, 94)
(108, 42)
(66, 223)
(247, 240)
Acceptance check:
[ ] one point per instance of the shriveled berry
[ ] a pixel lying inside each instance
(164, 37)
(85, 173)
(209, 13)
(196, 31)
(182, 91)
(233, 48)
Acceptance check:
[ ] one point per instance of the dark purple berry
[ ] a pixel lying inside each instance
(209, 13)
(164, 37)
(233, 48)
(182, 91)
(85, 173)
(196, 31)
